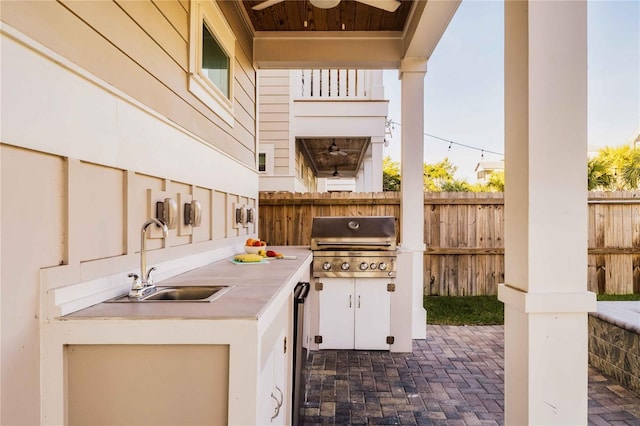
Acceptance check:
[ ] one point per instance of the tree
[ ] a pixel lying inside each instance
(495, 183)
(438, 175)
(621, 164)
(456, 186)
(631, 171)
(390, 174)
(599, 176)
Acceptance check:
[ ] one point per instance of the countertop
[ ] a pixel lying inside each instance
(254, 286)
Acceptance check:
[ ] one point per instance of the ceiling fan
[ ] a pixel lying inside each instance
(334, 150)
(388, 5)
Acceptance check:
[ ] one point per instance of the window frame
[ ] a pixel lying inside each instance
(268, 151)
(207, 13)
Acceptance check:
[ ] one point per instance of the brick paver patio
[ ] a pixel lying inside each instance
(454, 377)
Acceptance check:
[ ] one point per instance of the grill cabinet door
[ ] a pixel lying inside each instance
(372, 314)
(355, 313)
(336, 300)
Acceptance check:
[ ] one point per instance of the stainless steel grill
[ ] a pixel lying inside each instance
(360, 246)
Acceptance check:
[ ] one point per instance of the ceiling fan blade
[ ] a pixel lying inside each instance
(265, 4)
(388, 5)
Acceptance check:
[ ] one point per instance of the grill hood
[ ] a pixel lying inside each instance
(353, 233)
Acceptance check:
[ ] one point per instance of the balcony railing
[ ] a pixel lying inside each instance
(332, 84)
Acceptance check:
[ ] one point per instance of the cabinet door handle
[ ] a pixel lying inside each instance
(276, 411)
(350, 301)
(358, 301)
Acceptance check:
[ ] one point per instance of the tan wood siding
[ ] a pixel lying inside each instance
(274, 117)
(134, 47)
(177, 16)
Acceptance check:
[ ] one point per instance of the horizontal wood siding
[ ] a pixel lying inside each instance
(141, 48)
(464, 235)
(273, 89)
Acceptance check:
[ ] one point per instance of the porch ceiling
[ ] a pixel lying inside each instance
(372, 38)
(290, 15)
(330, 155)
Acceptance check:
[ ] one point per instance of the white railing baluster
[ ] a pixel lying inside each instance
(333, 83)
(351, 83)
(315, 84)
(306, 83)
(342, 83)
(361, 84)
(324, 76)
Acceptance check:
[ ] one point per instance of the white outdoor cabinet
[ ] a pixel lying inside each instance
(273, 387)
(354, 313)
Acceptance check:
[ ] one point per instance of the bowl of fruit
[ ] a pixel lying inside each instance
(254, 246)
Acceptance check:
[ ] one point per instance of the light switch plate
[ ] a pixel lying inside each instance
(182, 228)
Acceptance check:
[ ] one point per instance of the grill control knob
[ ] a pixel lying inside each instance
(364, 266)
(345, 266)
(326, 266)
(373, 265)
(382, 266)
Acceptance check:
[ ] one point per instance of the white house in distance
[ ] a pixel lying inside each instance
(485, 168)
(321, 130)
(111, 107)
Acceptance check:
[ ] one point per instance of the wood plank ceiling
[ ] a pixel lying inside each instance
(291, 15)
(334, 157)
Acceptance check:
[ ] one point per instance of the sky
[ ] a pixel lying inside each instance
(464, 92)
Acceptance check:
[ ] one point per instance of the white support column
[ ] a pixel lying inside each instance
(376, 163)
(545, 291)
(410, 257)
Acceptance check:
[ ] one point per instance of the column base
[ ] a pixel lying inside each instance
(546, 356)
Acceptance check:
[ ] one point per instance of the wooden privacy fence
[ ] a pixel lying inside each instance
(464, 234)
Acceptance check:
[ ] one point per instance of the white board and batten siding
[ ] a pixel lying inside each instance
(96, 113)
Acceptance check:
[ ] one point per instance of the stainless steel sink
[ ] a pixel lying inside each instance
(190, 293)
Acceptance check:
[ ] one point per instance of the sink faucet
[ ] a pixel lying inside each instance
(143, 284)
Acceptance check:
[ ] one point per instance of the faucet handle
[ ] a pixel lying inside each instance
(137, 282)
(149, 280)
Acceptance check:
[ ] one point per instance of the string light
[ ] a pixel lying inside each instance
(450, 142)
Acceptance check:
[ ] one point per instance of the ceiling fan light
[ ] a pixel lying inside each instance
(324, 4)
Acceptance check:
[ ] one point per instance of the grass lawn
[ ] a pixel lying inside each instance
(464, 310)
(481, 310)
(618, 297)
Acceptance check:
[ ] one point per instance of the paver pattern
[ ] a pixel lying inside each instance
(453, 377)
